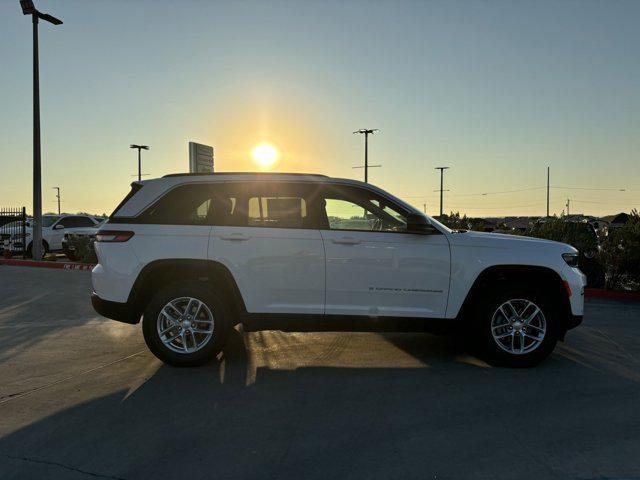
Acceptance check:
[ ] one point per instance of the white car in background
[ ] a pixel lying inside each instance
(54, 228)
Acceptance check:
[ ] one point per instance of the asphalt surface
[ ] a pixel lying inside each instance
(81, 398)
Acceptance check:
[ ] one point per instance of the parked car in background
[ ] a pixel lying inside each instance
(53, 229)
(193, 255)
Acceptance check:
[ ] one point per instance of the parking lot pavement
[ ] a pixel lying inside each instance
(80, 397)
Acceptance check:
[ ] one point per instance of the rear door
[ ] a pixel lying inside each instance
(266, 234)
(376, 268)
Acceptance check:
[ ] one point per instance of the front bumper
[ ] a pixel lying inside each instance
(121, 312)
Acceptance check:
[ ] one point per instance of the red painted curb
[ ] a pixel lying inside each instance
(611, 294)
(33, 263)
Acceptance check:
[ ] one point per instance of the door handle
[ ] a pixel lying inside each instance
(346, 241)
(235, 236)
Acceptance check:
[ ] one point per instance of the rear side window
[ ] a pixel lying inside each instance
(184, 205)
(267, 205)
(76, 222)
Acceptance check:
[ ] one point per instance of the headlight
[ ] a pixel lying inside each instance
(571, 259)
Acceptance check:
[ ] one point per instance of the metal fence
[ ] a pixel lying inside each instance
(13, 232)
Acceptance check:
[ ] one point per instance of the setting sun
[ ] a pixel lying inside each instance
(265, 155)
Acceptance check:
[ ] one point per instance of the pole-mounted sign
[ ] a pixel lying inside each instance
(200, 158)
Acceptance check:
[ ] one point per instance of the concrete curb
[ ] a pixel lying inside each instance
(33, 263)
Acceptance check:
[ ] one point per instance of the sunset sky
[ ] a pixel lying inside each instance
(497, 90)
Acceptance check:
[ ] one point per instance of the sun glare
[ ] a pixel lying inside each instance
(265, 155)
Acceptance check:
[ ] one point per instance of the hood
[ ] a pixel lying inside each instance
(503, 240)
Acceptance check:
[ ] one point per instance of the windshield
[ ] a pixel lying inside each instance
(49, 220)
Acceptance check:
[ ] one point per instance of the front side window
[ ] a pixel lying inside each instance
(49, 220)
(349, 208)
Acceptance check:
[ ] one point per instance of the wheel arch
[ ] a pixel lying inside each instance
(529, 275)
(158, 273)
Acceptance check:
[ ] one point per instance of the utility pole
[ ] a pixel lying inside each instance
(366, 166)
(58, 196)
(29, 9)
(139, 148)
(442, 169)
(424, 207)
(568, 202)
(548, 177)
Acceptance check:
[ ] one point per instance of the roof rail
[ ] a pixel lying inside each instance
(242, 173)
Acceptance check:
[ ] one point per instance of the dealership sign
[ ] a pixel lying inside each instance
(200, 158)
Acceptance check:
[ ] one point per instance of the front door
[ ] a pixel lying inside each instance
(376, 268)
(265, 233)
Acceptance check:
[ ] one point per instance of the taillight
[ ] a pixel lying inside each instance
(113, 236)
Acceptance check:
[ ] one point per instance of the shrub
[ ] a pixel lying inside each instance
(620, 255)
(84, 251)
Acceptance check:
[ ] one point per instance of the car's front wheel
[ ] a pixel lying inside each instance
(519, 327)
(185, 324)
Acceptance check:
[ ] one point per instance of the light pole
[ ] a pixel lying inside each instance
(29, 9)
(548, 177)
(366, 166)
(139, 147)
(58, 196)
(442, 169)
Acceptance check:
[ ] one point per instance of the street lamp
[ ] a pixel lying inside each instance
(139, 147)
(29, 9)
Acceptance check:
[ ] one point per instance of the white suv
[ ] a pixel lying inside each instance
(195, 255)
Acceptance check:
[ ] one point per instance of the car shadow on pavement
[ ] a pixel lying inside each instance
(248, 415)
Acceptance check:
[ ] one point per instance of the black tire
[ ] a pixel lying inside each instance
(45, 249)
(210, 349)
(489, 346)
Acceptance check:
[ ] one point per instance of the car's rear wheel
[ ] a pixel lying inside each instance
(518, 327)
(185, 324)
(45, 249)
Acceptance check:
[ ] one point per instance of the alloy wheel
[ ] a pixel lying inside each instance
(185, 325)
(518, 326)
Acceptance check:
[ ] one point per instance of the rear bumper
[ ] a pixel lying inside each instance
(121, 312)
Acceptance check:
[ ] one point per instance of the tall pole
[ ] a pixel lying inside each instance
(366, 132)
(568, 202)
(36, 246)
(366, 157)
(442, 169)
(29, 9)
(548, 176)
(139, 148)
(58, 195)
